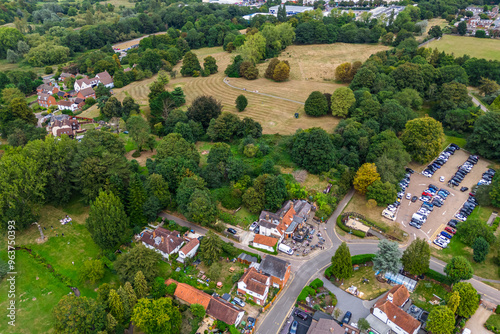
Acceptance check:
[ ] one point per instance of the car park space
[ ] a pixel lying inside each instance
(445, 206)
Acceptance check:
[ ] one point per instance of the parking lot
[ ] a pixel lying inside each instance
(438, 218)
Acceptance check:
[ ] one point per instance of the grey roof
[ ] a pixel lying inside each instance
(246, 257)
(272, 216)
(321, 315)
(274, 266)
(226, 297)
(302, 207)
(292, 226)
(377, 325)
(267, 224)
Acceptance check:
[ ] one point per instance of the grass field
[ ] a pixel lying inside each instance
(425, 292)
(371, 289)
(432, 22)
(474, 47)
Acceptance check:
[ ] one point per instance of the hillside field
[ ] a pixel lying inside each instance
(474, 47)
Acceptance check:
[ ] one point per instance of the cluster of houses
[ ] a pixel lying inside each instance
(490, 25)
(74, 99)
(168, 243)
(274, 227)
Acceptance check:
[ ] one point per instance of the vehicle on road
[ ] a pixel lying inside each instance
(285, 249)
(414, 199)
(408, 196)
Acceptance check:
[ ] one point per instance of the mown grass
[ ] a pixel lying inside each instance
(425, 291)
(453, 140)
(474, 47)
(129, 143)
(371, 289)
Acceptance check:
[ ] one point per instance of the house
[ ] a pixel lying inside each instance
(65, 126)
(216, 307)
(67, 105)
(188, 250)
(325, 326)
(62, 94)
(82, 83)
(105, 79)
(46, 100)
(277, 269)
(100, 78)
(47, 89)
(162, 241)
(264, 242)
(79, 102)
(65, 75)
(474, 10)
(254, 285)
(86, 93)
(246, 259)
(377, 326)
(285, 221)
(389, 310)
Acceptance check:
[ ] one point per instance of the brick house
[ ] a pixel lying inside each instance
(254, 285)
(162, 241)
(283, 223)
(188, 250)
(389, 310)
(277, 269)
(47, 89)
(86, 93)
(265, 242)
(46, 100)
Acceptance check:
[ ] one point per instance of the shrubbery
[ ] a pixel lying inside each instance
(362, 258)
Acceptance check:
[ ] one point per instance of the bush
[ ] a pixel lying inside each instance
(49, 70)
(136, 154)
(344, 228)
(334, 299)
(437, 277)
(497, 310)
(362, 258)
(317, 283)
(227, 218)
(241, 102)
(305, 293)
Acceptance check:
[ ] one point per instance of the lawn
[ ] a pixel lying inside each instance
(493, 320)
(425, 291)
(245, 218)
(482, 213)
(474, 47)
(129, 143)
(453, 140)
(371, 289)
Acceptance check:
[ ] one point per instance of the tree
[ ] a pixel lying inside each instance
(270, 68)
(241, 102)
(453, 301)
(416, 257)
(112, 108)
(201, 208)
(341, 263)
(388, 257)
(458, 269)
(441, 320)
(313, 150)
(141, 287)
(485, 139)
(137, 259)
(92, 270)
(469, 299)
(481, 248)
(316, 104)
(136, 200)
(190, 64)
(253, 200)
(107, 220)
(462, 28)
(343, 72)
(211, 247)
(254, 48)
(488, 87)
(435, 32)
(139, 131)
(281, 13)
(471, 229)
(78, 315)
(214, 271)
(198, 311)
(363, 324)
(116, 306)
(495, 191)
(129, 107)
(203, 109)
(281, 71)
(383, 193)
(422, 138)
(173, 145)
(365, 176)
(224, 128)
(9, 94)
(480, 34)
(342, 100)
(9, 38)
(157, 316)
(210, 65)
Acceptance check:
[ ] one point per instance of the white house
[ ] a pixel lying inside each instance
(162, 241)
(254, 285)
(389, 310)
(188, 250)
(82, 84)
(67, 105)
(264, 242)
(100, 78)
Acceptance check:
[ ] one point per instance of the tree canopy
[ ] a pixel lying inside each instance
(416, 257)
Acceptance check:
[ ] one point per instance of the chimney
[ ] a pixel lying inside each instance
(154, 234)
(162, 239)
(267, 216)
(390, 297)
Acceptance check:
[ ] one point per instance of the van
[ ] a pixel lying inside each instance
(388, 214)
(285, 249)
(419, 217)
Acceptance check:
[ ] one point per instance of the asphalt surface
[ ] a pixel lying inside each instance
(304, 270)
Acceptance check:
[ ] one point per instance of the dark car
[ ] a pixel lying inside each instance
(464, 189)
(232, 230)
(437, 203)
(300, 314)
(452, 224)
(446, 235)
(414, 199)
(293, 328)
(409, 170)
(445, 191)
(347, 317)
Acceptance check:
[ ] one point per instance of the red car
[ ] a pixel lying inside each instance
(425, 193)
(449, 229)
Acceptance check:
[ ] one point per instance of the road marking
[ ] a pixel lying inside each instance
(402, 222)
(429, 231)
(444, 213)
(422, 184)
(414, 236)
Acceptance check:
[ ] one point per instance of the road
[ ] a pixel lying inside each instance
(312, 266)
(477, 103)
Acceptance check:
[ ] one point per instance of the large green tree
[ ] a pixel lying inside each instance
(173, 145)
(481, 248)
(423, 138)
(365, 176)
(203, 109)
(190, 64)
(136, 200)
(469, 299)
(9, 38)
(458, 269)
(316, 104)
(139, 130)
(254, 48)
(416, 257)
(441, 320)
(485, 139)
(471, 229)
(313, 150)
(137, 259)
(341, 262)
(77, 315)
(157, 316)
(210, 247)
(342, 100)
(388, 257)
(107, 221)
(382, 192)
(202, 208)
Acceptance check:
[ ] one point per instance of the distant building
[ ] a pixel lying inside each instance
(290, 10)
(250, 16)
(46, 100)
(284, 222)
(100, 78)
(246, 259)
(86, 93)
(265, 242)
(325, 326)
(47, 89)
(162, 241)
(67, 105)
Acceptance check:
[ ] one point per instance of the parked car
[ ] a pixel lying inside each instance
(464, 189)
(450, 230)
(347, 317)
(441, 179)
(414, 199)
(300, 314)
(232, 230)
(293, 327)
(238, 302)
(446, 235)
(408, 196)
(253, 226)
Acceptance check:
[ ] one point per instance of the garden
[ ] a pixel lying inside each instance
(363, 284)
(429, 293)
(315, 297)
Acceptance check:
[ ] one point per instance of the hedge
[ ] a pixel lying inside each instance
(432, 274)
(362, 258)
(344, 228)
(305, 293)
(317, 283)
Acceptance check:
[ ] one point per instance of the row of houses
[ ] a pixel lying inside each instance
(475, 23)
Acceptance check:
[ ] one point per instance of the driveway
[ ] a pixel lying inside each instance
(475, 323)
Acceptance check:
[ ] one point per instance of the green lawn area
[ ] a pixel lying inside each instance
(245, 218)
(482, 213)
(453, 140)
(129, 143)
(372, 289)
(425, 292)
(493, 320)
(474, 47)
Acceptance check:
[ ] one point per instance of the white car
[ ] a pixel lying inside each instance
(441, 179)
(408, 196)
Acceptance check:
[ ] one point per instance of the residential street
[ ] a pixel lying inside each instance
(312, 266)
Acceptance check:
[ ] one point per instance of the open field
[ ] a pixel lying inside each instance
(432, 22)
(474, 47)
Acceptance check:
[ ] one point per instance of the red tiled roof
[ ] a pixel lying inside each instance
(191, 295)
(265, 240)
(65, 103)
(399, 294)
(222, 310)
(255, 281)
(189, 246)
(408, 323)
